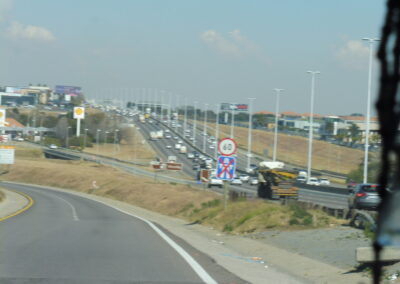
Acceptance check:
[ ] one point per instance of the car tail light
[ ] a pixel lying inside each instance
(361, 194)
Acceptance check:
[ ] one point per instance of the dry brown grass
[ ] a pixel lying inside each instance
(166, 198)
(294, 149)
(2, 195)
(156, 196)
(132, 148)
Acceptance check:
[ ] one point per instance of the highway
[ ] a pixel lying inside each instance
(160, 147)
(65, 238)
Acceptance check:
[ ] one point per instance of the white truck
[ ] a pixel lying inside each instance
(183, 150)
(153, 135)
(160, 134)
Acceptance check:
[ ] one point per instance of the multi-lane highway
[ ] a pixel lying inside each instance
(65, 238)
(160, 146)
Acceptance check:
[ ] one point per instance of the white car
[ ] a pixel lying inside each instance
(190, 155)
(324, 181)
(215, 182)
(244, 178)
(211, 147)
(236, 181)
(313, 181)
(253, 181)
(177, 146)
(168, 146)
(53, 146)
(168, 136)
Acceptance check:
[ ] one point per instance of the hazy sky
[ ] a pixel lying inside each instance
(209, 51)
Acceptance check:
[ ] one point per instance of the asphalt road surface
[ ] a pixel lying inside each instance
(64, 238)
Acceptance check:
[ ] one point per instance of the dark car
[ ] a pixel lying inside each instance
(196, 167)
(364, 196)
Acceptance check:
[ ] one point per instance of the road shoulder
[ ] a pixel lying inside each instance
(249, 259)
(12, 204)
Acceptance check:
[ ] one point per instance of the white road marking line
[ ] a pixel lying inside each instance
(187, 257)
(74, 214)
(197, 268)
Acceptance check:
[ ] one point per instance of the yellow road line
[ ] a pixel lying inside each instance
(29, 205)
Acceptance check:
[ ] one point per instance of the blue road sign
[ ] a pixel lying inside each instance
(226, 167)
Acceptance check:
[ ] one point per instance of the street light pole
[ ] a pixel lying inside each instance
(67, 137)
(217, 131)
(205, 128)
(250, 130)
(311, 128)
(194, 124)
(368, 118)
(169, 109)
(115, 141)
(278, 93)
(233, 118)
(185, 119)
(97, 140)
(84, 138)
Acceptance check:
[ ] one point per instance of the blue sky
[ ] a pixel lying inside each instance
(209, 51)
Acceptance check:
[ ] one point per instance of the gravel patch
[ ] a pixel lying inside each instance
(335, 246)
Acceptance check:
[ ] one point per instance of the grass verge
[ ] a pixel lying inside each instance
(195, 205)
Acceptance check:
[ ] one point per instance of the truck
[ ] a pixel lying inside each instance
(153, 135)
(171, 159)
(275, 182)
(160, 134)
(183, 150)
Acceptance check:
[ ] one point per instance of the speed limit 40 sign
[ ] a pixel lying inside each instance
(227, 147)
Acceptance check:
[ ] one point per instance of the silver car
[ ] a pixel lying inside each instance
(364, 196)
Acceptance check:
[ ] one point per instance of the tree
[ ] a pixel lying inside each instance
(354, 133)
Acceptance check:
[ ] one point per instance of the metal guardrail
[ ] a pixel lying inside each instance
(326, 199)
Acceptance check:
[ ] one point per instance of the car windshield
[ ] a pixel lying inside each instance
(184, 141)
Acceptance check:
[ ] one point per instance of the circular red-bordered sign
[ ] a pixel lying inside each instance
(227, 147)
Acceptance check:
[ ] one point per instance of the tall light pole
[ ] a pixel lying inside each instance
(67, 137)
(97, 140)
(217, 131)
(194, 124)
(161, 105)
(249, 135)
(185, 118)
(115, 141)
(233, 118)
(311, 128)
(84, 138)
(368, 118)
(205, 128)
(278, 93)
(169, 109)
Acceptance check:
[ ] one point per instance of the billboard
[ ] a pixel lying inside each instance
(236, 107)
(59, 89)
(7, 154)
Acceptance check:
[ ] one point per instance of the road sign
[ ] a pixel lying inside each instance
(79, 112)
(227, 147)
(226, 167)
(7, 154)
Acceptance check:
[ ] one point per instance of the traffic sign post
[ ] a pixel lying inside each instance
(227, 147)
(226, 167)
